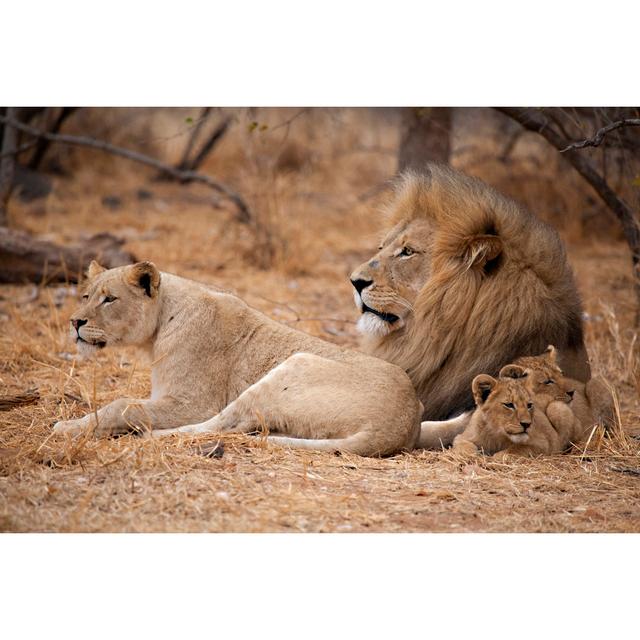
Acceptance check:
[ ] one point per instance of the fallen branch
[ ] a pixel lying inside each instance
(244, 214)
(630, 227)
(9, 402)
(596, 139)
(24, 258)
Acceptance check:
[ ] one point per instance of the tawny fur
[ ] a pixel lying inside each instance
(474, 280)
(591, 403)
(215, 359)
(503, 407)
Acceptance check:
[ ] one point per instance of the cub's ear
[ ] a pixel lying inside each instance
(146, 276)
(513, 371)
(551, 354)
(482, 386)
(94, 269)
(480, 249)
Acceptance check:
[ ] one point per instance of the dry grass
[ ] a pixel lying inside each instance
(311, 181)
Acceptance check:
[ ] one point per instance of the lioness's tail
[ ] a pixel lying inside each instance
(359, 443)
(440, 434)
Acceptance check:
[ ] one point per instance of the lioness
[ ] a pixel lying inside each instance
(464, 282)
(213, 355)
(507, 420)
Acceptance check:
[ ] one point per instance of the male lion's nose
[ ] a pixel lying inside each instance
(361, 284)
(77, 323)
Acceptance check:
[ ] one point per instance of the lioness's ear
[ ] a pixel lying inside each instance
(551, 354)
(482, 386)
(480, 249)
(146, 276)
(94, 269)
(513, 371)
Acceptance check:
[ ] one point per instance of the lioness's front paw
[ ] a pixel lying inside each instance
(69, 426)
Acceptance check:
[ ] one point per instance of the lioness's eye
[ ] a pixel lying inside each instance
(108, 299)
(529, 405)
(549, 381)
(509, 405)
(406, 251)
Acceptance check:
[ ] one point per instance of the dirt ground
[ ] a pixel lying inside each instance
(315, 183)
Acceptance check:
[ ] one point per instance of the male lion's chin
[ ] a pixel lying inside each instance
(372, 325)
(519, 438)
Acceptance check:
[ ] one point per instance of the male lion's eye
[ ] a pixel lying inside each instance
(407, 251)
(108, 299)
(509, 405)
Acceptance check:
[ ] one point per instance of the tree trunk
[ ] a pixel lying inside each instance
(425, 136)
(7, 165)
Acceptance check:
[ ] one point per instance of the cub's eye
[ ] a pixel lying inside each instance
(508, 405)
(108, 299)
(406, 251)
(529, 405)
(549, 381)
(85, 296)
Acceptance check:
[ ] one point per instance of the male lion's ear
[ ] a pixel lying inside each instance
(146, 276)
(482, 386)
(94, 269)
(513, 371)
(478, 250)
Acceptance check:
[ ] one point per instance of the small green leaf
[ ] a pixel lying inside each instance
(252, 127)
(189, 120)
(636, 182)
(263, 127)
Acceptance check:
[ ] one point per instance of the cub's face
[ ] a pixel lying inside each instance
(119, 306)
(507, 406)
(543, 376)
(387, 285)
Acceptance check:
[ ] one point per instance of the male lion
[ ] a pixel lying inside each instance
(464, 282)
(213, 355)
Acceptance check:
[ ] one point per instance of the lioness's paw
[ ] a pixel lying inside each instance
(68, 426)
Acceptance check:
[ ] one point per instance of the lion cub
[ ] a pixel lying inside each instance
(507, 420)
(591, 403)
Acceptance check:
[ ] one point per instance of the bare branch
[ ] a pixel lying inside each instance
(534, 122)
(244, 214)
(596, 139)
(43, 144)
(207, 147)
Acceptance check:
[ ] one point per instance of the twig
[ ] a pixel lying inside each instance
(596, 139)
(184, 163)
(244, 214)
(211, 142)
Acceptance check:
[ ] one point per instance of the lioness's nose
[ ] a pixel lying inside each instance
(77, 323)
(361, 284)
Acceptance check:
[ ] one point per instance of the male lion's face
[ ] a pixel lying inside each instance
(386, 286)
(119, 306)
(506, 404)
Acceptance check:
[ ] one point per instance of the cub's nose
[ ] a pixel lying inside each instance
(525, 425)
(76, 324)
(361, 284)
(570, 393)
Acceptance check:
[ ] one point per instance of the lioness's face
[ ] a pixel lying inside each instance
(386, 286)
(119, 306)
(507, 405)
